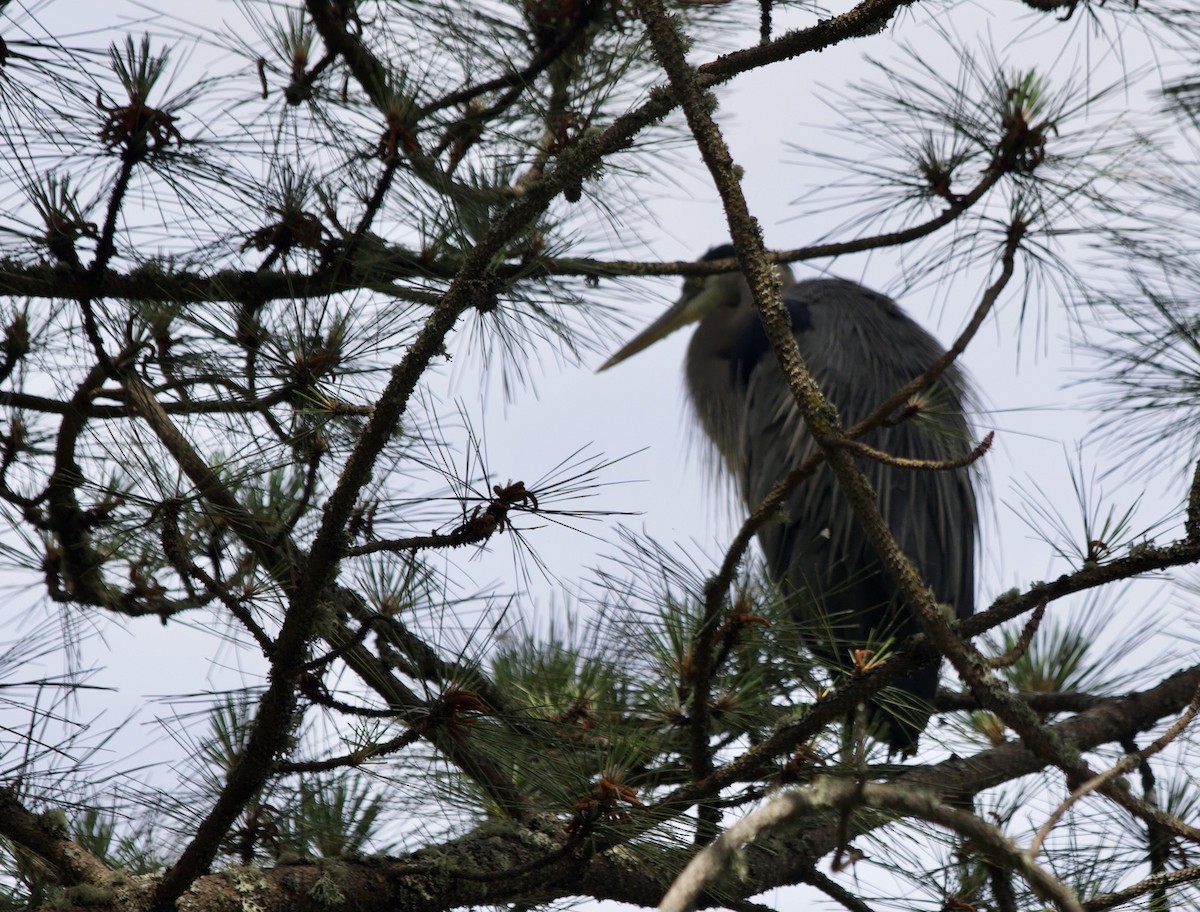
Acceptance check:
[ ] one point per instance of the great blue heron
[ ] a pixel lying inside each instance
(860, 347)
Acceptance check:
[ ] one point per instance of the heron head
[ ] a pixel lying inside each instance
(701, 295)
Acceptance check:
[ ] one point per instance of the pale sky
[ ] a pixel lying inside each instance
(1022, 370)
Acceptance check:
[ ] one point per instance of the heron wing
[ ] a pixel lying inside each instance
(859, 347)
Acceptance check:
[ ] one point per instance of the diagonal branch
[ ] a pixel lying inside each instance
(40, 835)
(824, 795)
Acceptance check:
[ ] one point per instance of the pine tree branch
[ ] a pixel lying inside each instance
(959, 779)
(425, 881)
(269, 736)
(715, 862)
(1156, 884)
(46, 836)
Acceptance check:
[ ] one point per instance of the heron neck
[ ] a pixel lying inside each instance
(710, 377)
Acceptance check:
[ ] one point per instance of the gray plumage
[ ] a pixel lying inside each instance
(860, 348)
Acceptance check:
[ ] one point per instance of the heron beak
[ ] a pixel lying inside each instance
(688, 309)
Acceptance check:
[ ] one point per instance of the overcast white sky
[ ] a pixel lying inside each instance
(1022, 369)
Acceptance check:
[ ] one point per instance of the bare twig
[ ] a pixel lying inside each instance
(1023, 641)
(834, 890)
(177, 554)
(352, 760)
(922, 465)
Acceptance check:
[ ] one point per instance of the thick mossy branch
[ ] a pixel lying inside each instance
(506, 861)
